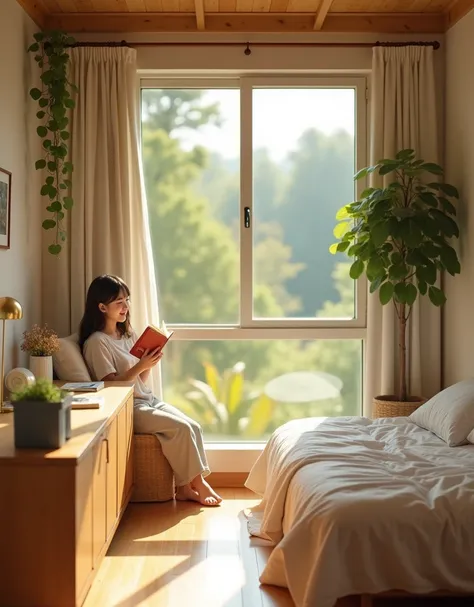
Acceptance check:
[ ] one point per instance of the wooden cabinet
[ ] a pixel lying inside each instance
(59, 509)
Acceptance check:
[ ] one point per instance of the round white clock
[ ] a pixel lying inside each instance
(19, 378)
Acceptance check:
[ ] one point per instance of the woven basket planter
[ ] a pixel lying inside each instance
(387, 406)
(153, 476)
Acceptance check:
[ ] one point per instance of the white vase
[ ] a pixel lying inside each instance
(42, 367)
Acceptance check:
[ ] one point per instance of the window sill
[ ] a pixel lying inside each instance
(233, 457)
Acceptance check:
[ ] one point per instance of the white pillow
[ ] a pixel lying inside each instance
(449, 414)
(68, 362)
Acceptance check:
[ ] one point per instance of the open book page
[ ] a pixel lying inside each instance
(163, 329)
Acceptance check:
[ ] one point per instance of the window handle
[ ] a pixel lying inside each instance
(247, 217)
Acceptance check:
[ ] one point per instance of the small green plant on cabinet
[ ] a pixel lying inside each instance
(55, 99)
(399, 237)
(41, 390)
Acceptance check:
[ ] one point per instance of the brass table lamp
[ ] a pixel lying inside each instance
(10, 309)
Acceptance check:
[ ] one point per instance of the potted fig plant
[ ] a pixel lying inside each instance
(42, 416)
(41, 343)
(399, 236)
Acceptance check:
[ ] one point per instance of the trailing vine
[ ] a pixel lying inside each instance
(54, 100)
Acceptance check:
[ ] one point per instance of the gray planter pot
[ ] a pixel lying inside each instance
(41, 424)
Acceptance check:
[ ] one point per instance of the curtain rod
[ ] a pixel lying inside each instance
(434, 43)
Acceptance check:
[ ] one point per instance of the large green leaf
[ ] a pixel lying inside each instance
(356, 269)
(343, 213)
(375, 267)
(430, 250)
(380, 233)
(437, 297)
(445, 223)
(375, 284)
(435, 169)
(260, 416)
(386, 293)
(411, 233)
(405, 154)
(415, 258)
(411, 293)
(422, 287)
(448, 206)
(388, 168)
(429, 199)
(428, 226)
(212, 378)
(400, 292)
(360, 174)
(398, 272)
(427, 273)
(341, 229)
(235, 391)
(448, 189)
(450, 260)
(343, 246)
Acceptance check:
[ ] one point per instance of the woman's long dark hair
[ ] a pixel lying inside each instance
(102, 290)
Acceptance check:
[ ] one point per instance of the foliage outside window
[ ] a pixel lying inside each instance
(193, 195)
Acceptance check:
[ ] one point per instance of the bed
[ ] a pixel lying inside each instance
(356, 506)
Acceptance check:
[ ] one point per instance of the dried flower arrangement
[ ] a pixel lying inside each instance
(40, 341)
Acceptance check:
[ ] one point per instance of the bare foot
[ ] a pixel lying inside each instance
(207, 495)
(186, 493)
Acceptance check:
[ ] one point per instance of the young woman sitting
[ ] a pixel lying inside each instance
(106, 337)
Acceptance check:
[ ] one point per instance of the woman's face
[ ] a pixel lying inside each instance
(117, 310)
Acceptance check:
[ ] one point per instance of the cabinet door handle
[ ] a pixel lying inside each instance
(106, 441)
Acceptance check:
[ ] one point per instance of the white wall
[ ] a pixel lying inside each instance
(20, 269)
(458, 330)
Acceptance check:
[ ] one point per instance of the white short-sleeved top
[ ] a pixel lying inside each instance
(105, 355)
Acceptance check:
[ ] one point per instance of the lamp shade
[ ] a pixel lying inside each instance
(10, 309)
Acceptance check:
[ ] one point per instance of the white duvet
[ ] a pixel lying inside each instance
(356, 506)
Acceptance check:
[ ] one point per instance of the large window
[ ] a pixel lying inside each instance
(244, 178)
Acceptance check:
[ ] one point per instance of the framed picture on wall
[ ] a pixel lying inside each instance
(5, 207)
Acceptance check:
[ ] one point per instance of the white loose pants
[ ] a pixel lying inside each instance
(180, 437)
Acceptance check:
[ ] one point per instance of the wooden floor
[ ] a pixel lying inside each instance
(181, 554)
(184, 555)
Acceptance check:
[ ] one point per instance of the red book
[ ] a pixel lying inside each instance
(151, 338)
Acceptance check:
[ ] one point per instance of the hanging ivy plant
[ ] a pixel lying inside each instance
(55, 99)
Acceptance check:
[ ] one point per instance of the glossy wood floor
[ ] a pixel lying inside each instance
(181, 554)
(184, 555)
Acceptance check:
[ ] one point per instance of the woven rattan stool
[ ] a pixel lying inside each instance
(153, 476)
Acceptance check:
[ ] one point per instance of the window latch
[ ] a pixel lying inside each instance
(247, 217)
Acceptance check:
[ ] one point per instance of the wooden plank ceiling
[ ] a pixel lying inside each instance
(380, 16)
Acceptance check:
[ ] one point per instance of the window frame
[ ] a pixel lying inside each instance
(280, 328)
(270, 329)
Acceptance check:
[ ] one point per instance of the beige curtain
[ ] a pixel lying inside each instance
(403, 115)
(108, 226)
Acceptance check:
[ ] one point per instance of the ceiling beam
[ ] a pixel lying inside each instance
(457, 10)
(200, 20)
(321, 14)
(426, 23)
(35, 10)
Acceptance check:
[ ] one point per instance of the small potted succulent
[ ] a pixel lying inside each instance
(41, 343)
(42, 416)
